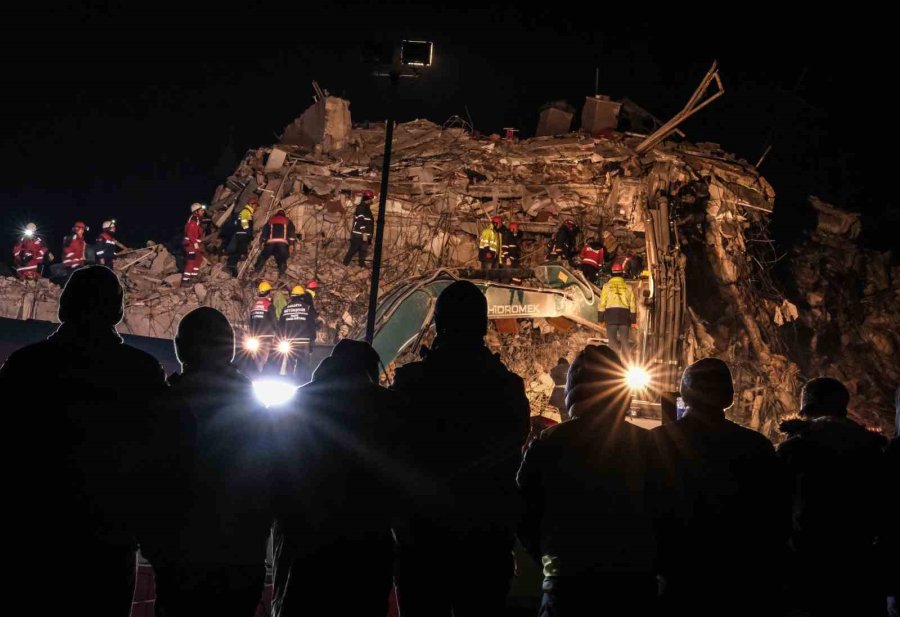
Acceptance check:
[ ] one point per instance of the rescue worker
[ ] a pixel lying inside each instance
(311, 290)
(618, 310)
(455, 548)
(592, 257)
(240, 241)
(261, 323)
(491, 244)
(278, 238)
(632, 265)
(297, 325)
(107, 245)
(562, 245)
(363, 228)
(511, 250)
(193, 244)
(29, 254)
(91, 400)
(74, 246)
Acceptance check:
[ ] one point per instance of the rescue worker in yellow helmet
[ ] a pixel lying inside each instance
(243, 233)
(618, 310)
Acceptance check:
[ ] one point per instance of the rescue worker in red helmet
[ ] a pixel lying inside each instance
(592, 256)
(562, 245)
(618, 310)
(29, 254)
(74, 246)
(511, 251)
(193, 244)
(491, 244)
(279, 238)
(363, 228)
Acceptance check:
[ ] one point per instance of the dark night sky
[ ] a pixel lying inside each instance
(136, 113)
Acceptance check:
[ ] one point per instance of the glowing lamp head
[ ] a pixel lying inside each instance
(284, 347)
(273, 392)
(251, 344)
(637, 378)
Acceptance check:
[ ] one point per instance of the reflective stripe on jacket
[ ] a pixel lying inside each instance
(617, 304)
(490, 239)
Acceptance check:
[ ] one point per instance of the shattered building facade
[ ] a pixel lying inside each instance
(699, 215)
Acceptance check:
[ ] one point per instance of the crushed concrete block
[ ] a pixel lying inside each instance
(554, 121)
(599, 114)
(276, 160)
(326, 123)
(201, 291)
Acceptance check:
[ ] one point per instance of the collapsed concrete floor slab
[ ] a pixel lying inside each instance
(697, 214)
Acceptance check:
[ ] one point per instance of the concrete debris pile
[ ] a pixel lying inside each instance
(697, 214)
(849, 312)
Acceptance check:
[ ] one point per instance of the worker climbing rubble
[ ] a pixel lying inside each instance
(107, 245)
(242, 224)
(363, 228)
(30, 253)
(278, 238)
(193, 244)
(618, 310)
(592, 256)
(491, 244)
(74, 248)
(562, 245)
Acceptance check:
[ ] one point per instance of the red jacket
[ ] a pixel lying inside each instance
(193, 233)
(73, 251)
(279, 230)
(592, 256)
(32, 248)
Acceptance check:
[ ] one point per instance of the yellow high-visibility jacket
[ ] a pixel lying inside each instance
(246, 219)
(617, 303)
(490, 239)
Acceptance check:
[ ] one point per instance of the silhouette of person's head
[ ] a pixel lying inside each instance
(204, 338)
(595, 384)
(460, 314)
(350, 358)
(897, 412)
(706, 386)
(92, 298)
(824, 396)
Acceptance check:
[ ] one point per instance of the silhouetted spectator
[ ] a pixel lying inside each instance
(835, 467)
(558, 397)
(71, 517)
(338, 486)
(890, 533)
(212, 548)
(468, 423)
(723, 537)
(588, 508)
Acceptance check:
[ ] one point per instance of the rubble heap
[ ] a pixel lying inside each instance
(704, 211)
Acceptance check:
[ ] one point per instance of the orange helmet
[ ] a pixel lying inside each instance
(514, 227)
(617, 267)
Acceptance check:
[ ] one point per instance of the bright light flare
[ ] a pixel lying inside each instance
(637, 378)
(284, 347)
(273, 392)
(28, 233)
(251, 344)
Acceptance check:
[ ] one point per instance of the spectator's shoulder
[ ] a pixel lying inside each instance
(408, 374)
(142, 361)
(35, 352)
(753, 438)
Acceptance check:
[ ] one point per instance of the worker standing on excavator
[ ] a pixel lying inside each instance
(491, 244)
(278, 237)
(618, 310)
(511, 251)
(243, 233)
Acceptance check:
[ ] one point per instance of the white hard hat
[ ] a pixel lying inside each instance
(196, 206)
(108, 224)
(31, 227)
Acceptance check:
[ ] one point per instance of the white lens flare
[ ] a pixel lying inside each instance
(637, 378)
(273, 392)
(284, 347)
(251, 344)
(29, 233)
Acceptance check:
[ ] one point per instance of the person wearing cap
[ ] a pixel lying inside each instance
(562, 245)
(618, 310)
(29, 254)
(243, 233)
(74, 246)
(491, 244)
(90, 401)
(834, 466)
(340, 483)
(193, 245)
(278, 238)
(727, 515)
(589, 498)
(363, 228)
(469, 420)
(107, 245)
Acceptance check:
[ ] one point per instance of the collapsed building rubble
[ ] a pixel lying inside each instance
(699, 214)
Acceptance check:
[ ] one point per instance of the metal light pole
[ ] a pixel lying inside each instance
(382, 206)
